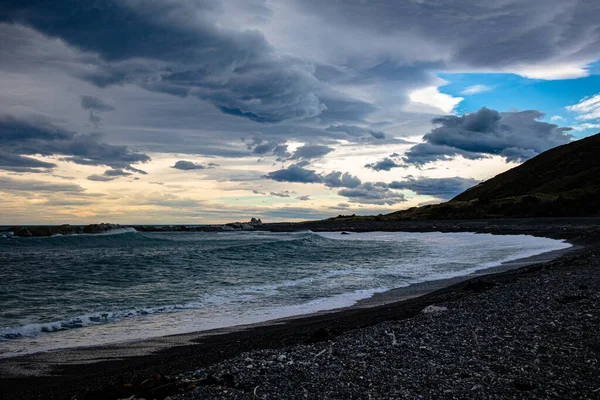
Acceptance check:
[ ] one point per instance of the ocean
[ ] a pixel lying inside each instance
(83, 290)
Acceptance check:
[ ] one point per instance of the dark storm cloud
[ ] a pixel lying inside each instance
(424, 153)
(187, 165)
(356, 131)
(100, 178)
(17, 163)
(36, 135)
(116, 172)
(372, 193)
(285, 193)
(263, 147)
(355, 190)
(95, 119)
(516, 136)
(308, 152)
(344, 109)
(109, 175)
(281, 152)
(8, 184)
(385, 164)
(340, 206)
(442, 188)
(484, 33)
(94, 103)
(237, 71)
(295, 173)
(336, 179)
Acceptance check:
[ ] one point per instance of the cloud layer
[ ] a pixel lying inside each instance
(186, 54)
(36, 135)
(516, 136)
(350, 186)
(441, 188)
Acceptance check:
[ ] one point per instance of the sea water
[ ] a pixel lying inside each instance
(83, 290)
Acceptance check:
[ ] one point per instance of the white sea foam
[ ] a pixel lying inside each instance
(117, 231)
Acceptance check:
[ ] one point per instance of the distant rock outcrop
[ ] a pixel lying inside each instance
(100, 228)
(40, 231)
(44, 231)
(240, 226)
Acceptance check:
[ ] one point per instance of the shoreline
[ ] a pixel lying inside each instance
(378, 296)
(96, 369)
(423, 288)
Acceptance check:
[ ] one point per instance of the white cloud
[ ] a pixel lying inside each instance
(588, 108)
(557, 118)
(476, 89)
(433, 98)
(552, 71)
(584, 127)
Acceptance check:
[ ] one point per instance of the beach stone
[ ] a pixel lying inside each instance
(434, 309)
(228, 380)
(571, 298)
(523, 385)
(209, 380)
(321, 335)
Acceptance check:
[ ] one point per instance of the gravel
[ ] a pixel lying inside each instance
(535, 338)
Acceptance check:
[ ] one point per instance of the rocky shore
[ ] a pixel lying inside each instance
(65, 229)
(525, 333)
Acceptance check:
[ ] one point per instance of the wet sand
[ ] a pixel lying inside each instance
(100, 372)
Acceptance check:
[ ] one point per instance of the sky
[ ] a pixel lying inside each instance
(211, 111)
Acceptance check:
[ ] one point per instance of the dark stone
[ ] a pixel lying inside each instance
(321, 335)
(524, 385)
(583, 287)
(23, 232)
(228, 380)
(478, 286)
(344, 233)
(571, 298)
(209, 381)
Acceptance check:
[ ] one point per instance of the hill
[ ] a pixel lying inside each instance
(561, 182)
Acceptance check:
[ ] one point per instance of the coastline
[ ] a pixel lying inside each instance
(95, 370)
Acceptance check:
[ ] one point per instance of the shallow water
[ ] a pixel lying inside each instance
(70, 291)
